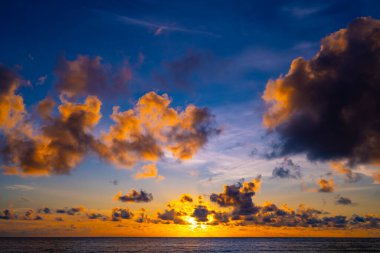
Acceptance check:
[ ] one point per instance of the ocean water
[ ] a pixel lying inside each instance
(189, 245)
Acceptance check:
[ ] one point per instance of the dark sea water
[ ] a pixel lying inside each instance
(188, 245)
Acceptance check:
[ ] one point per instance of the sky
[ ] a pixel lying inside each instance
(190, 118)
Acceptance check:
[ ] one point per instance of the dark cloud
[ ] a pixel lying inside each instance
(89, 76)
(186, 198)
(134, 196)
(328, 107)
(239, 196)
(45, 210)
(200, 213)
(71, 211)
(7, 214)
(121, 213)
(97, 216)
(9, 81)
(287, 169)
(340, 200)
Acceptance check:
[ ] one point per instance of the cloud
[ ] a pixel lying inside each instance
(19, 187)
(326, 185)
(134, 196)
(157, 28)
(89, 76)
(327, 107)
(149, 171)
(12, 106)
(376, 176)
(200, 213)
(342, 168)
(287, 169)
(41, 80)
(7, 214)
(45, 107)
(45, 210)
(343, 201)
(152, 127)
(71, 211)
(239, 196)
(60, 142)
(96, 216)
(186, 198)
(60, 146)
(121, 213)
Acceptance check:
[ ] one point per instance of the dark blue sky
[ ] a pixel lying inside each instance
(213, 52)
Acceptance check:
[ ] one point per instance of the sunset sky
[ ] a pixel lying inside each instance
(190, 118)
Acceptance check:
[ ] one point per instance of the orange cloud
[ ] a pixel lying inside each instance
(326, 185)
(153, 127)
(149, 171)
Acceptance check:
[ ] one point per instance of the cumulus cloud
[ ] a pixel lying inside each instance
(239, 196)
(287, 169)
(152, 127)
(327, 107)
(134, 196)
(119, 214)
(59, 146)
(89, 76)
(326, 185)
(58, 143)
(200, 213)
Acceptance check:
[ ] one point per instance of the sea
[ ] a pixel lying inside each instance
(122, 244)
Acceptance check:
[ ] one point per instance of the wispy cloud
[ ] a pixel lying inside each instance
(157, 27)
(19, 187)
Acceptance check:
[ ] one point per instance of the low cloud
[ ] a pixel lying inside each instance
(119, 214)
(71, 211)
(134, 196)
(340, 200)
(239, 196)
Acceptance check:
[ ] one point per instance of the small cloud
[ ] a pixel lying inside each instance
(19, 187)
(326, 185)
(134, 196)
(41, 80)
(287, 169)
(149, 171)
(340, 200)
